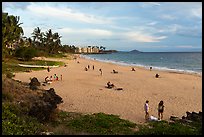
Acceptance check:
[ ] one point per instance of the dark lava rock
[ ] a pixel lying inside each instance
(42, 109)
(34, 83)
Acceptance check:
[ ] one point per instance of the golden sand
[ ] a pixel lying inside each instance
(84, 91)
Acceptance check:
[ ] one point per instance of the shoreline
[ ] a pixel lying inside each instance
(85, 92)
(162, 69)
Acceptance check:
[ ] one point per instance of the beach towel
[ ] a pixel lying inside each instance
(152, 118)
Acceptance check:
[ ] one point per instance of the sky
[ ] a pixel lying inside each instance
(122, 26)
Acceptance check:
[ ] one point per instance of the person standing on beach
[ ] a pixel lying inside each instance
(100, 71)
(146, 108)
(93, 67)
(61, 77)
(160, 110)
(48, 69)
(88, 66)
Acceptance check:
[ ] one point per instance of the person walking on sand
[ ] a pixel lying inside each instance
(160, 110)
(61, 77)
(146, 108)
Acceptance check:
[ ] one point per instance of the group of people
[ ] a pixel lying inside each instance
(160, 110)
(110, 85)
(93, 67)
(54, 78)
(88, 67)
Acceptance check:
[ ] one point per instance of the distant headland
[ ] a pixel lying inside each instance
(135, 51)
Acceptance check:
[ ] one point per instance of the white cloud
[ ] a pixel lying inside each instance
(141, 37)
(167, 17)
(86, 32)
(66, 14)
(197, 12)
(154, 3)
(152, 23)
(185, 46)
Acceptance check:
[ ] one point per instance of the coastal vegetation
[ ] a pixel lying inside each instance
(17, 97)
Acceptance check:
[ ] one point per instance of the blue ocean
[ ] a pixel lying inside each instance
(189, 62)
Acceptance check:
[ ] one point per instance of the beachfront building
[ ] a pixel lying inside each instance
(89, 49)
(95, 49)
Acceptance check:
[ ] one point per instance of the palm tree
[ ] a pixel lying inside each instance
(37, 37)
(11, 31)
(56, 43)
(52, 41)
(102, 48)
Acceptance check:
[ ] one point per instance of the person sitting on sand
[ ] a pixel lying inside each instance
(157, 75)
(114, 71)
(160, 110)
(150, 68)
(110, 85)
(55, 77)
(50, 78)
(133, 69)
(46, 79)
(86, 69)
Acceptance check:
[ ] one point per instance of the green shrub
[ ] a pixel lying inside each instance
(26, 53)
(14, 123)
(9, 75)
(165, 128)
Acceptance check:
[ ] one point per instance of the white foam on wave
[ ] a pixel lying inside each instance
(143, 66)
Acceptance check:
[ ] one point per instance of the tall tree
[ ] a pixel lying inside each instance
(37, 37)
(52, 42)
(11, 31)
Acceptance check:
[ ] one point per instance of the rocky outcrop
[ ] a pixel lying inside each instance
(197, 117)
(191, 117)
(42, 108)
(34, 83)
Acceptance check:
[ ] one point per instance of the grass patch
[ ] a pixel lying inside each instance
(103, 124)
(11, 65)
(59, 55)
(166, 128)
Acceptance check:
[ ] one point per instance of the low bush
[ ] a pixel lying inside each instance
(14, 123)
(26, 53)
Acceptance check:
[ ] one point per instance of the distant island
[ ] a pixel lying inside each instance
(135, 51)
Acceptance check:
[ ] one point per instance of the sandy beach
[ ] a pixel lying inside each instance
(84, 91)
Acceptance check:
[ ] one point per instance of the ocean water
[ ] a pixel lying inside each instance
(187, 62)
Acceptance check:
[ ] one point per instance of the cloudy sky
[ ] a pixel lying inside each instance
(145, 26)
